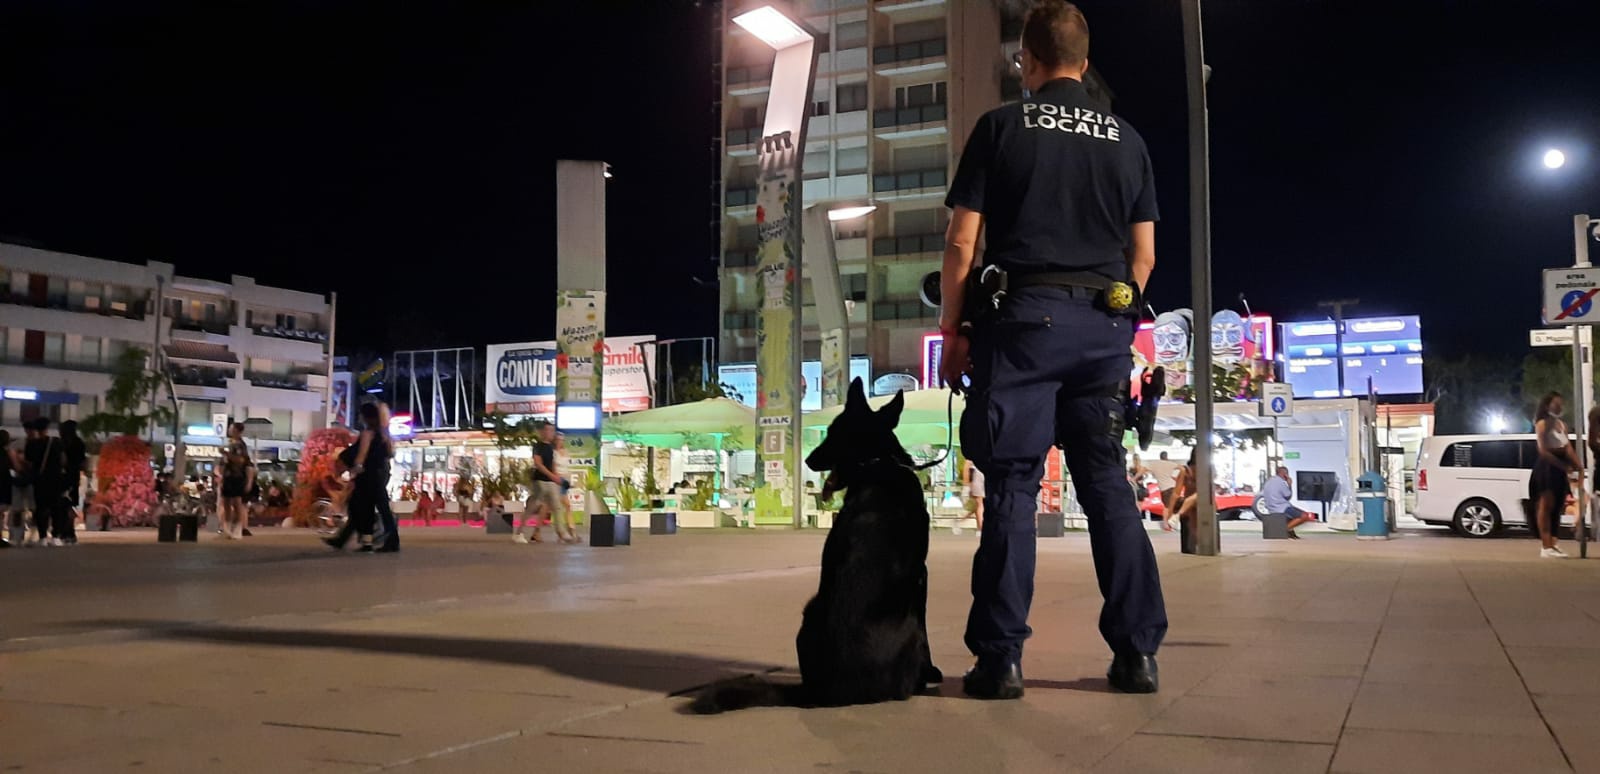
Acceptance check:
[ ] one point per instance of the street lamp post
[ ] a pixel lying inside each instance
(779, 257)
(1207, 538)
(821, 264)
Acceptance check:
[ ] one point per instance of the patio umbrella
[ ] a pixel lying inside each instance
(717, 424)
(927, 419)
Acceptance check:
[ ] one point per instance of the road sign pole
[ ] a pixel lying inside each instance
(1583, 380)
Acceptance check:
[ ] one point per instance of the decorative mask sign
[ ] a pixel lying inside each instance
(1227, 337)
(1171, 339)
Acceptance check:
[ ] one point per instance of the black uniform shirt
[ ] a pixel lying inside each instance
(1058, 182)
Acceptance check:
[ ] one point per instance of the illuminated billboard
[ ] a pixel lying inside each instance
(1386, 350)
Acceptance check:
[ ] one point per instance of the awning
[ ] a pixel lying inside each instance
(201, 351)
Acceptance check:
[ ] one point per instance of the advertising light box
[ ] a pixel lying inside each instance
(741, 377)
(1388, 350)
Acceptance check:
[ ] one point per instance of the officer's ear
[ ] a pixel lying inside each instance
(890, 413)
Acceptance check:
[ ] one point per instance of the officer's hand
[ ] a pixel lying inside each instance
(955, 362)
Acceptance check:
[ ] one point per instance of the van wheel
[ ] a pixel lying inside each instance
(1477, 519)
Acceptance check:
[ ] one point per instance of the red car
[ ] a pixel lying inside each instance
(1229, 506)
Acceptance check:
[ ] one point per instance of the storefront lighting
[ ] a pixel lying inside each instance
(772, 27)
(201, 430)
(15, 394)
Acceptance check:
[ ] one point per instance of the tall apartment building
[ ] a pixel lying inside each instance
(238, 348)
(899, 85)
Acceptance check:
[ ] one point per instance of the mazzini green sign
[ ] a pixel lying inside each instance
(1291, 455)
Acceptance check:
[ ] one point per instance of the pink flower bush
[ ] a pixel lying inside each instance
(316, 464)
(125, 482)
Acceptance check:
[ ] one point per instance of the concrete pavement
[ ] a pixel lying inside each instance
(467, 653)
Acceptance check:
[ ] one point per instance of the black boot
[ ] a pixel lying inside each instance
(1003, 681)
(1134, 673)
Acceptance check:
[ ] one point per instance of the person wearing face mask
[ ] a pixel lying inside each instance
(1548, 486)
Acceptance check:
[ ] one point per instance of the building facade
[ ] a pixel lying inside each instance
(899, 85)
(236, 350)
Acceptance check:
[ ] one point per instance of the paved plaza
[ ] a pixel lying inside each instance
(466, 653)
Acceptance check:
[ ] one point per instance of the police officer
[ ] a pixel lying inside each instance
(1067, 196)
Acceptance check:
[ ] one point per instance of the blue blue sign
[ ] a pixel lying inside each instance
(526, 372)
(1279, 405)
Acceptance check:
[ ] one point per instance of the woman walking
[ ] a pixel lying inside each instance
(368, 459)
(238, 476)
(10, 461)
(563, 515)
(1548, 487)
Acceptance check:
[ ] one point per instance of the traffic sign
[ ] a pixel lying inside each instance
(1277, 400)
(1569, 296)
(1550, 337)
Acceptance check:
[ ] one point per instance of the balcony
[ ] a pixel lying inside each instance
(214, 327)
(739, 321)
(917, 245)
(742, 141)
(739, 201)
(912, 10)
(902, 310)
(919, 121)
(252, 342)
(909, 185)
(920, 56)
(744, 81)
(293, 334)
(739, 258)
(277, 381)
(126, 310)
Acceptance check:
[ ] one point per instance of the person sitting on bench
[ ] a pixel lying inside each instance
(1276, 495)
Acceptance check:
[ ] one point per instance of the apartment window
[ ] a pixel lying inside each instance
(855, 286)
(282, 423)
(175, 308)
(852, 161)
(89, 351)
(56, 291)
(852, 97)
(819, 108)
(815, 164)
(851, 35)
(55, 348)
(748, 116)
(917, 222)
(75, 294)
(919, 95)
(92, 296)
(919, 30)
(822, 42)
(925, 157)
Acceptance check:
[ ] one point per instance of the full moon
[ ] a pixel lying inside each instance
(1554, 159)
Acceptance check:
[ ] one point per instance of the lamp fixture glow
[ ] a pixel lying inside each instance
(16, 394)
(1497, 424)
(1554, 159)
(850, 213)
(772, 27)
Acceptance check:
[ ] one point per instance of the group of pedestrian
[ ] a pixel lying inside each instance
(367, 460)
(40, 485)
(430, 505)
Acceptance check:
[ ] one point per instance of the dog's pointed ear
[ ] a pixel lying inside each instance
(857, 397)
(890, 413)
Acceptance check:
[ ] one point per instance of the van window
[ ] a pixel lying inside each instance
(1489, 454)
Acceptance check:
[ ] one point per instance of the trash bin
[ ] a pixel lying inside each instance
(1373, 494)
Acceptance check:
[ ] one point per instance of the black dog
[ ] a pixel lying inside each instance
(864, 636)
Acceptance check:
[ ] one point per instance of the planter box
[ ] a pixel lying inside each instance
(698, 519)
(663, 523)
(608, 529)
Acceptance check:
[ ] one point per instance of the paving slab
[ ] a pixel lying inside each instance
(469, 653)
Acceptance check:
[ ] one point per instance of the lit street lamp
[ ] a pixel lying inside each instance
(1497, 423)
(820, 262)
(779, 261)
(1554, 159)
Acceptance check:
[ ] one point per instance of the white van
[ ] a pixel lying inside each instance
(1476, 483)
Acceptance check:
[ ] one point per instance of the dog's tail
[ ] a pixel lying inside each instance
(747, 692)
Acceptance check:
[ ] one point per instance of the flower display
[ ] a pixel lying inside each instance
(125, 482)
(321, 448)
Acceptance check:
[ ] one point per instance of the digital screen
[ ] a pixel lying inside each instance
(741, 378)
(1388, 350)
(577, 416)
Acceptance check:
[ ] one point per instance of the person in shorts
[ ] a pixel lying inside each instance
(544, 499)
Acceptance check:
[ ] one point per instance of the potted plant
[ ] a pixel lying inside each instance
(699, 508)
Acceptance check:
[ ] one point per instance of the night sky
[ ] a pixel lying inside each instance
(403, 154)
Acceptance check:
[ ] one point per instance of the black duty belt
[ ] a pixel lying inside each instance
(1114, 296)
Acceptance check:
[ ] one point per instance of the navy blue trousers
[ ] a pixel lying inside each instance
(1043, 371)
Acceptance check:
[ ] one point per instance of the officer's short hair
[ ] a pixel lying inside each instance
(1056, 34)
